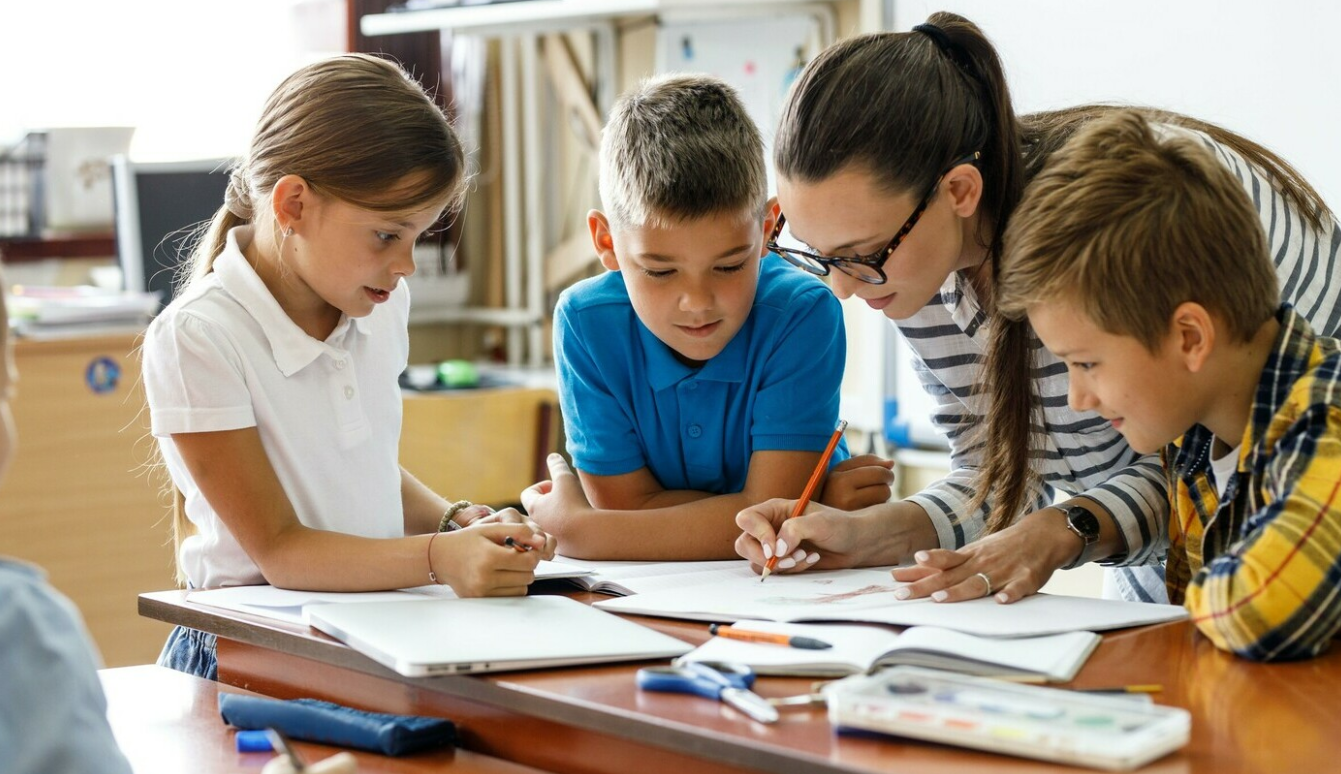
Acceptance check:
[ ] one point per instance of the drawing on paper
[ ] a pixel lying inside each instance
(830, 599)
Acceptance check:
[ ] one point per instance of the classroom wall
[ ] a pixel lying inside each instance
(1266, 70)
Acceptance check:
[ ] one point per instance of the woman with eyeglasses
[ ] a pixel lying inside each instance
(900, 160)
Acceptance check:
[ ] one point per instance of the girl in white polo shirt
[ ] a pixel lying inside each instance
(272, 378)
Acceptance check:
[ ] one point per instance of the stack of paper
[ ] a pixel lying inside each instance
(287, 605)
(50, 312)
(867, 596)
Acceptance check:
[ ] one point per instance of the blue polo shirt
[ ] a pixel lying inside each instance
(628, 403)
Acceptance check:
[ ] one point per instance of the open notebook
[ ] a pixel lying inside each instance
(621, 578)
(858, 649)
(428, 637)
(287, 604)
(867, 596)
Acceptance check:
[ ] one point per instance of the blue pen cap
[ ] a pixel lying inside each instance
(254, 741)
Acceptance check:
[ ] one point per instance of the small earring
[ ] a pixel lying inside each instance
(289, 231)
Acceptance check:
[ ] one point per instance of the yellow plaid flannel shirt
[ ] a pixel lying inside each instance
(1261, 573)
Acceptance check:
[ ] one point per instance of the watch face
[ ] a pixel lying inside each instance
(1083, 523)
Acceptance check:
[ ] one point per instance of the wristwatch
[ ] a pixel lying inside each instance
(1083, 525)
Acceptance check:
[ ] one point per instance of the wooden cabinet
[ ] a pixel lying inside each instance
(82, 498)
(79, 499)
(482, 445)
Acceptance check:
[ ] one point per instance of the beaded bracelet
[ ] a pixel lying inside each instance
(448, 523)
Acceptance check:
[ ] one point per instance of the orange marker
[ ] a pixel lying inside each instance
(810, 488)
(809, 643)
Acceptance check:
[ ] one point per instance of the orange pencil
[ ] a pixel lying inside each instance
(810, 488)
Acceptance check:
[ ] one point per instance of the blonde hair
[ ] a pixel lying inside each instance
(355, 127)
(680, 147)
(1128, 224)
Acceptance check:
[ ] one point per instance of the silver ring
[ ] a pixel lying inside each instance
(986, 581)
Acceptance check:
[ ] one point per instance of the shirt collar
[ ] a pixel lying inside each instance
(1289, 361)
(961, 301)
(291, 346)
(665, 370)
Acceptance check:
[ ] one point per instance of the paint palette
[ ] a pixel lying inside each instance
(1097, 731)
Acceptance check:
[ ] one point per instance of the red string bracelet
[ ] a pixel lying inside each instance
(432, 576)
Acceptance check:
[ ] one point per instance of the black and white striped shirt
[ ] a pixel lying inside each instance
(1080, 453)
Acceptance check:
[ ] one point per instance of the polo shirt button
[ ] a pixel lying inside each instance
(695, 431)
(692, 386)
(349, 393)
(340, 365)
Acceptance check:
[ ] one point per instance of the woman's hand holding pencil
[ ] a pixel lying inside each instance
(774, 553)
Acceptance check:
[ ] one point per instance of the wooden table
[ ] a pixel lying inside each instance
(167, 721)
(592, 720)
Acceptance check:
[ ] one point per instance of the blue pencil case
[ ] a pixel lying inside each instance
(321, 721)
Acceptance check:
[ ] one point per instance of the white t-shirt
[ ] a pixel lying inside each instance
(225, 356)
(1224, 469)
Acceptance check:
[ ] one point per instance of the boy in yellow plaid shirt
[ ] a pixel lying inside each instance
(1141, 263)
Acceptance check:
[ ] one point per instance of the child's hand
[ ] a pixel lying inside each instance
(475, 563)
(822, 537)
(858, 482)
(551, 502)
(513, 516)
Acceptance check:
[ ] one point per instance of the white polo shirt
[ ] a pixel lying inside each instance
(225, 356)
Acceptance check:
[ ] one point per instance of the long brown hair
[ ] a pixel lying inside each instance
(903, 106)
(355, 127)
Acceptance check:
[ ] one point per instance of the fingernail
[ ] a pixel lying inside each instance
(1002, 598)
(940, 596)
(768, 551)
(782, 547)
(799, 555)
(787, 564)
(812, 557)
(921, 556)
(902, 594)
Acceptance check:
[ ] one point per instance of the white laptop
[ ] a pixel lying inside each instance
(423, 638)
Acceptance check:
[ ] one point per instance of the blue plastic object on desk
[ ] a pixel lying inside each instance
(729, 683)
(706, 679)
(321, 721)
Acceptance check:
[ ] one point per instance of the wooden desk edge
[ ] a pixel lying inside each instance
(694, 741)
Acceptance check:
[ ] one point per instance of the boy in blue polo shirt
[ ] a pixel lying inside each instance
(700, 374)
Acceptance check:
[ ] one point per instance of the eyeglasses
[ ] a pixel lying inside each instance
(867, 268)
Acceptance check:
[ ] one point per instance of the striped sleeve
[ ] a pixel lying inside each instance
(1137, 498)
(1274, 594)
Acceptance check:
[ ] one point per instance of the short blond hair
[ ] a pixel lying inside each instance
(1128, 224)
(680, 147)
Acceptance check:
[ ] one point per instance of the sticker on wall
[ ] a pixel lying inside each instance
(102, 375)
